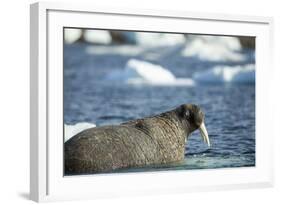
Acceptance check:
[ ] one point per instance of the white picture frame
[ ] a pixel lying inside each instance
(47, 182)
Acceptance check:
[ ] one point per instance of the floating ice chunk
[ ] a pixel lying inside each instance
(71, 130)
(72, 35)
(213, 48)
(149, 72)
(177, 82)
(142, 72)
(159, 39)
(227, 74)
(97, 36)
(122, 50)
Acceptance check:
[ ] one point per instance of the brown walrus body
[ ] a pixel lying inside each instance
(148, 141)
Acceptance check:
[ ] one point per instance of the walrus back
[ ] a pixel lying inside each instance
(107, 148)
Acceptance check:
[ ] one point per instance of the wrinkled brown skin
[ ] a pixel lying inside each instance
(148, 141)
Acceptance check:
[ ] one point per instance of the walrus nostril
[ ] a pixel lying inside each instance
(149, 141)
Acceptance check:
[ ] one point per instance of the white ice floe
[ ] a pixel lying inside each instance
(213, 48)
(97, 36)
(122, 50)
(71, 130)
(159, 39)
(90, 36)
(142, 72)
(227, 74)
(72, 35)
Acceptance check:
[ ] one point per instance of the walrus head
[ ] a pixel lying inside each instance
(194, 118)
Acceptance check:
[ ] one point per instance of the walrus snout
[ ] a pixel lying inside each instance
(195, 119)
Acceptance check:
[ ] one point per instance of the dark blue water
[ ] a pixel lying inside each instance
(229, 108)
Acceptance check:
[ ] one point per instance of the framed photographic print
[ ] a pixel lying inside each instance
(127, 102)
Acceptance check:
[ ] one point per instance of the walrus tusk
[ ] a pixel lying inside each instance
(204, 134)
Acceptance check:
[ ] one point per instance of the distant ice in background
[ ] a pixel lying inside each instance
(159, 39)
(71, 130)
(106, 37)
(213, 48)
(227, 74)
(143, 40)
(122, 50)
(143, 72)
(97, 36)
(204, 47)
(72, 35)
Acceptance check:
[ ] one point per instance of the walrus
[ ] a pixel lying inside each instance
(152, 140)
